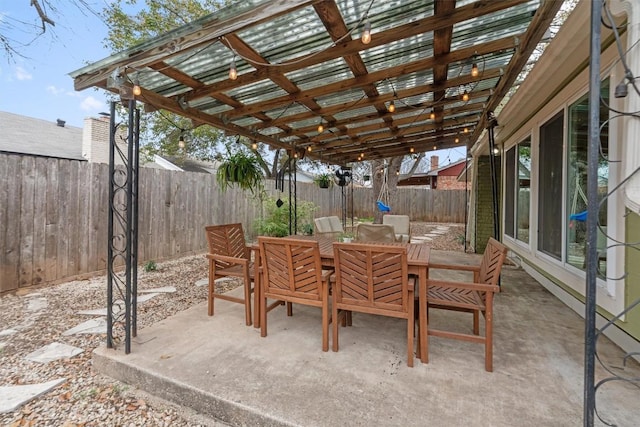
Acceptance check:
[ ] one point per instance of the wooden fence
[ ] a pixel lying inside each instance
(53, 215)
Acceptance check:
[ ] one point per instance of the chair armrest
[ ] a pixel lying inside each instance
(481, 287)
(228, 259)
(462, 267)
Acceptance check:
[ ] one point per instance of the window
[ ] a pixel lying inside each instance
(578, 142)
(550, 189)
(517, 187)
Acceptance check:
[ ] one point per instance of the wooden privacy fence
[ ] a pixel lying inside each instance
(53, 215)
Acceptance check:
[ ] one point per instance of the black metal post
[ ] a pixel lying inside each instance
(494, 180)
(466, 195)
(134, 223)
(592, 215)
(110, 214)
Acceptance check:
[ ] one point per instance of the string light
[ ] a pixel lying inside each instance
(456, 140)
(309, 149)
(411, 150)
(392, 107)
(295, 155)
(254, 145)
(137, 90)
(474, 70)
(466, 130)
(320, 127)
(181, 142)
(361, 155)
(366, 34)
(465, 96)
(233, 71)
(435, 148)
(432, 116)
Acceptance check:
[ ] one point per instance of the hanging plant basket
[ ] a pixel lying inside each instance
(242, 170)
(324, 180)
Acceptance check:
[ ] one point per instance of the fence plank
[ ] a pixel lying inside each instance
(10, 197)
(27, 202)
(39, 220)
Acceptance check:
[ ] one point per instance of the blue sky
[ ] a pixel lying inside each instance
(38, 85)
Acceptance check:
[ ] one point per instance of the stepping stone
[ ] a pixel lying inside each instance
(421, 238)
(7, 332)
(165, 289)
(146, 297)
(37, 304)
(93, 326)
(438, 232)
(202, 282)
(53, 351)
(94, 312)
(442, 227)
(13, 397)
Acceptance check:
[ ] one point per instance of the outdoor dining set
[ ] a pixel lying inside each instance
(379, 273)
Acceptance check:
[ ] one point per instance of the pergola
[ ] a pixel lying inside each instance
(427, 79)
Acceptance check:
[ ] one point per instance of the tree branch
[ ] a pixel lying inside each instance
(43, 16)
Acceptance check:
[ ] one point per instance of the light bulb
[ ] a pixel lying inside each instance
(295, 155)
(233, 71)
(435, 147)
(411, 150)
(137, 90)
(456, 140)
(309, 149)
(432, 116)
(181, 142)
(474, 70)
(466, 130)
(320, 128)
(254, 146)
(392, 107)
(465, 96)
(366, 34)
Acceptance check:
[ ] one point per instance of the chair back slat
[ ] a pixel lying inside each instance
(369, 275)
(227, 240)
(492, 260)
(291, 267)
(375, 233)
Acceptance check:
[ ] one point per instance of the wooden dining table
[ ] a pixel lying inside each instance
(417, 264)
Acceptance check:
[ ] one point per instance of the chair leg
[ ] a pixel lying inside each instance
(335, 319)
(488, 343)
(476, 322)
(247, 299)
(263, 314)
(325, 317)
(410, 331)
(289, 309)
(212, 285)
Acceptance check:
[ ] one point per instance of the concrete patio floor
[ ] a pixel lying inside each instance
(225, 370)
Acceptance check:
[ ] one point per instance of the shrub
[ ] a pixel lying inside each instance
(276, 219)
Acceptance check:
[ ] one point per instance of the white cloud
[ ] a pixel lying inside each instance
(91, 104)
(22, 74)
(54, 90)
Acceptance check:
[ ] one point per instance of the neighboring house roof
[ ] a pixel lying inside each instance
(27, 135)
(452, 169)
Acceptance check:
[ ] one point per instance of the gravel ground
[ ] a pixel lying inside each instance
(88, 398)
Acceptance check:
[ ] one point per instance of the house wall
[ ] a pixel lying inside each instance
(451, 183)
(537, 101)
(484, 203)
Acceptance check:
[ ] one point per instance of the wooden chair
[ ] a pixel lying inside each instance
(372, 279)
(229, 256)
(292, 272)
(473, 297)
(375, 233)
(401, 226)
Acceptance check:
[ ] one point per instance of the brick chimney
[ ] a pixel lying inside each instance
(95, 140)
(434, 162)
